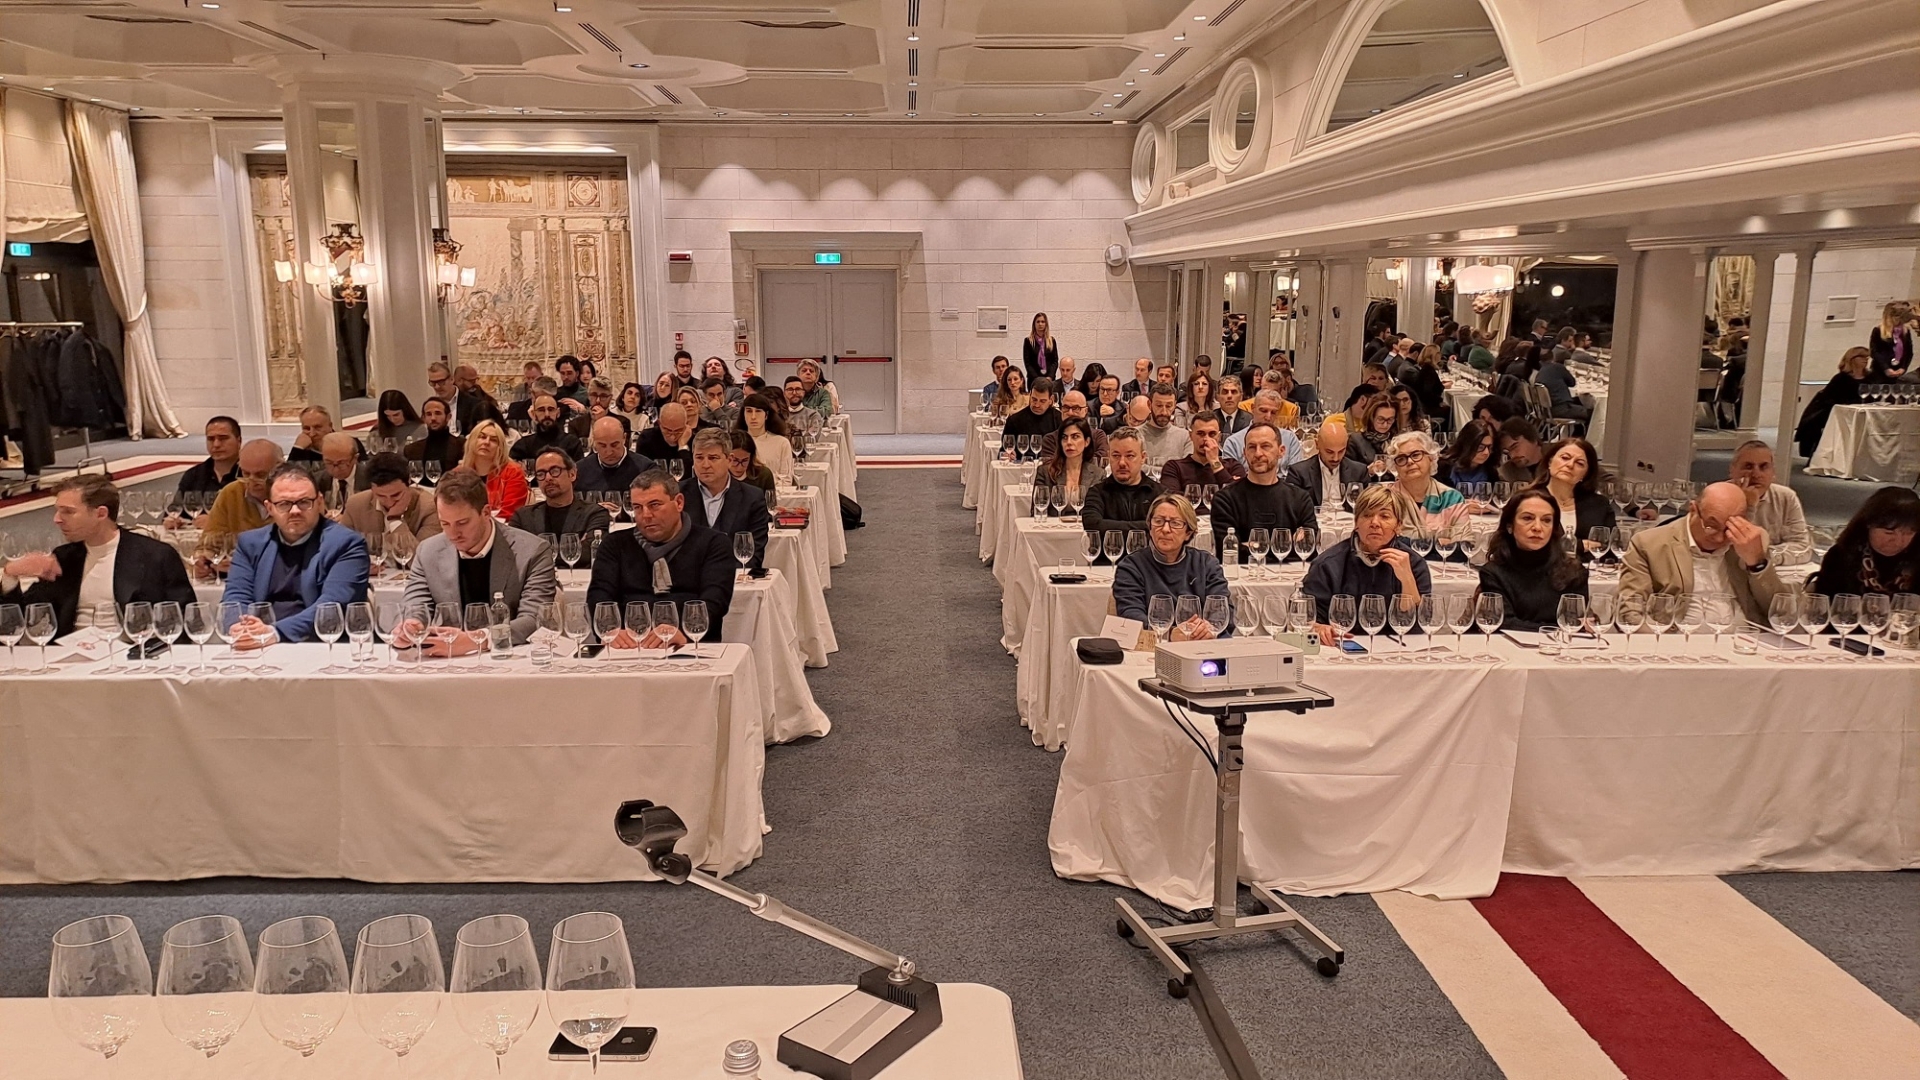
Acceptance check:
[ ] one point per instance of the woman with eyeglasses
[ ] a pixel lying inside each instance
(744, 463)
(1169, 566)
(1408, 414)
(1380, 422)
(1876, 552)
(486, 454)
(1413, 456)
(1470, 459)
(1374, 561)
(1573, 481)
(1528, 564)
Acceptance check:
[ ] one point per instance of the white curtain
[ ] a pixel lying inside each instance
(103, 162)
(41, 198)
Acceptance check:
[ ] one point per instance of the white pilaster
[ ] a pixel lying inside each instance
(1654, 381)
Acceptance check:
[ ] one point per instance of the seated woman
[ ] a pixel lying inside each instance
(1168, 566)
(769, 433)
(1573, 479)
(1409, 415)
(397, 424)
(486, 454)
(1011, 396)
(1368, 444)
(1195, 399)
(1413, 456)
(632, 404)
(1374, 561)
(1072, 463)
(744, 463)
(1876, 552)
(1528, 565)
(1842, 389)
(1470, 459)
(663, 388)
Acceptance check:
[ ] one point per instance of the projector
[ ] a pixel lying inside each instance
(1227, 664)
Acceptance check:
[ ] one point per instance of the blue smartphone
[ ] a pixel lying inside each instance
(1351, 647)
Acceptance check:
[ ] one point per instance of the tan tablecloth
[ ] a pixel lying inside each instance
(491, 771)
(787, 552)
(1870, 442)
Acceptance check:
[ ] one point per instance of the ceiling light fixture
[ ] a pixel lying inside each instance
(1199, 18)
(211, 7)
(1179, 37)
(639, 66)
(1119, 95)
(1146, 71)
(913, 37)
(1129, 82)
(562, 8)
(913, 82)
(1459, 74)
(911, 114)
(1159, 56)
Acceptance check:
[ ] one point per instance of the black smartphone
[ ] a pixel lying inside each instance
(631, 1044)
(588, 650)
(1857, 647)
(1067, 579)
(757, 573)
(154, 647)
(1352, 647)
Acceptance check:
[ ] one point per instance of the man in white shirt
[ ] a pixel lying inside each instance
(1714, 549)
(99, 564)
(1327, 473)
(1773, 507)
(1161, 438)
(1267, 405)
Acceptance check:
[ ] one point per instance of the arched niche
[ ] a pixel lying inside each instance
(1387, 55)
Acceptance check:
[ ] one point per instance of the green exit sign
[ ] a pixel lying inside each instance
(826, 258)
(24, 251)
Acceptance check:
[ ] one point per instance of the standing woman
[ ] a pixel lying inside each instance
(487, 455)
(1039, 353)
(1891, 343)
(1527, 563)
(769, 433)
(1573, 480)
(1842, 389)
(1011, 397)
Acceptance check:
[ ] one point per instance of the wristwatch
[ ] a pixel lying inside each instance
(1761, 567)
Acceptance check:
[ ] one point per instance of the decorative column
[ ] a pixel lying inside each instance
(1343, 329)
(1784, 455)
(1758, 316)
(1656, 363)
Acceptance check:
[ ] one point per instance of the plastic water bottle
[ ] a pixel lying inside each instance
(1230, 550)
(500, 628)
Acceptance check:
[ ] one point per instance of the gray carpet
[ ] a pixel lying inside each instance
(920, 823)
(1868, 924)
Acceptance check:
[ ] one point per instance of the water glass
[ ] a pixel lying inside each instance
(205, 985)
(99, 982)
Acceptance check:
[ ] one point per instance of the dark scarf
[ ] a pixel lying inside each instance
(658, 554)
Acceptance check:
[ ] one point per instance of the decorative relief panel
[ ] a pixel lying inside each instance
(273, 239)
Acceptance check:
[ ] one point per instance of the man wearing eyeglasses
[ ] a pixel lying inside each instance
(1714, 549)
(563, 511)
(295, 564)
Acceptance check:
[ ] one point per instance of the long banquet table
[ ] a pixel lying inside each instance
(1436, 778)
(470, 770)
(1870, 442)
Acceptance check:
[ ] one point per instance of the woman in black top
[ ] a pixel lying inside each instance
(1528, 565)
(1426, 385)
(1842, 389)
(1876, 552)
(1891, 343)
(1039, 352)
(1572, 480)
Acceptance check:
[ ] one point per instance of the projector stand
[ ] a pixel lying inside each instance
(1229, 712)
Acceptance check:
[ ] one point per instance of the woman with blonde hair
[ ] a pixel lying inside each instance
(487, 455)
(1842, 389)
(1891, 343)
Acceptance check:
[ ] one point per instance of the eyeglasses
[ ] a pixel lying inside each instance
(551, 473)
(1410, 457)
(1168, 524)
(289, 506)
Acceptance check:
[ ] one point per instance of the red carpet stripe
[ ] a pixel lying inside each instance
(1646, 1020)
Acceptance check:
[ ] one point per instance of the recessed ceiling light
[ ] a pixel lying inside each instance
(562, 8)
(48, 89)
(913, 114)
(1459, 74)
(95, 100)
(1376, 110)
(211, 7)
(1199, 18)
(1179, 37)
(1129, 82)
(1119, 95)
(913, 37)
(1159, 55)
(639, 67)
(1039, 114)
(1116, 121)
(846, 114)
(786, 114)
(913, 82)
(1146, 71)
(719, 112)
(135, 108)
(973, 114)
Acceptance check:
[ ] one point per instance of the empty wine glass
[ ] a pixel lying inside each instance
(1301, 613)
(202, 623)
(99, 982)
(1256, 545)
(570, 549)
(1629, 620)
(1662, 611)
(329, 622)
(1489, 612)
(1571, 615)
(1461, 611)
(1401, 619)
(1091, 546)
(359, 630)
(168, 623)
(1717, 612)
(1136, 539)
(1430, 614)
(1306, 542)
(300, 982)
(1246, 613)
(693, 620)
(1115, 545)
(205, 985)
(495, 989)
(1159, 614)
(136, 621)
(376, 553)
(397, 980)
(606, 621)
(1373, 619)
(1843, 612)
(743, 551)
(13, 626)
(666, 620)
(1186, 608)
(1443, 542)
(433, 472)
(400, 548)
(1342, 613)
(589, 980)
(1876, 613)
(1215, 611)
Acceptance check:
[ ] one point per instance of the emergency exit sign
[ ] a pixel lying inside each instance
(826, 258)
(24, 251)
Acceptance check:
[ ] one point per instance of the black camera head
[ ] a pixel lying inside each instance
(654, 830)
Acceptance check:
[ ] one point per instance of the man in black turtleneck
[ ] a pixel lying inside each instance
(1260, 501)
(439, 443)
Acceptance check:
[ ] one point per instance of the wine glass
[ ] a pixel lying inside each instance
(589, 980)
(1301, 613)
(329, 622)
(1430, 614)
(168, 623)
(570, 549)
(1717, 612)
(1056, 500)
(1461, 612)
(1373, 619)
(1488, 613)
(397, 980)
(606, 620)
(693, 620)
(300, 982)
(1256, 545)
(1876, 613)
(743, 549)
(1159, 614)
(448, 622)
(1075, 498)
(136, 621)
(1091, 541)
(1342, 613)
(1306, 542)
(1443, 542)
(1571, 614)
(1843, 611)
(400, 548)
(205, 985)
(1186, 608)
(1115, 545)
(1217, 613)
(432, 469)
(1246, 613)
(1401, 619)
(1599, 541)
(13, 626)
(1136, 539)
(666, 620)
(376, 553)
(359, 622)
(1423, 543)
(99, 981)
(478, 620)
(202, 623)
(577, 621)
(1662, 612)
(495, 988)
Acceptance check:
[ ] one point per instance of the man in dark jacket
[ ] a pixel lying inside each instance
(721, 503)
(100, 562)
(666, 556)
(1121, 501)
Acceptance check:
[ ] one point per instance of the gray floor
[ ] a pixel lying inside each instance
(920, 823)
(1869, 924)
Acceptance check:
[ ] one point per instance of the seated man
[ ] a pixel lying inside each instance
(391, 505)
(521, 410)
(439, 443)
(221, 468)
(1302, 394)
(572, 393)
(1375, 561)
(1260, 500)
(316, 423)
(99, 564)
(1073, 406)
(1520, 451)
(1142, 382)
(599, 404)
(1713, 549)
(1773, 507)
(1226, 401)
(240, 507)
(563, 511)
(986, 392)
(1120, 501)
(666, 557)
(721, 503)
(1327, 473)
(795, 394)
(343, 467)
(547, 431)
(475, 559)
(608, 466)
(1267, 408)
(1161, 439)
(294, 564)
(670, 437)
(1203, 464)
(1039, 417)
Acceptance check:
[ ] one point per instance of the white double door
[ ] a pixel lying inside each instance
(845, 320)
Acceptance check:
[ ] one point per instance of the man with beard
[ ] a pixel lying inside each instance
(547, 432)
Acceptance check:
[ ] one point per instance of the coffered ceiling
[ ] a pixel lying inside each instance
(1033, 60)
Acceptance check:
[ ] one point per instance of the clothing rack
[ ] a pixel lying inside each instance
(9, 328)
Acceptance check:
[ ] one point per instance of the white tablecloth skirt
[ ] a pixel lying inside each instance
(1366, 796)
(979, 450)
(820, 478)
(975, 1040)
(846, 465)
(991, 514)
(1870, 442)
(507, 774)
(787, 552)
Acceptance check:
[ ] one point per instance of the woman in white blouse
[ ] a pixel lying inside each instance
(761, 421)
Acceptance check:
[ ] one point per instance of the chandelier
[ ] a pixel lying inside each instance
(345, 275)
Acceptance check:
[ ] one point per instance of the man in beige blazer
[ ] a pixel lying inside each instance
(391, 504)
(1714, 548)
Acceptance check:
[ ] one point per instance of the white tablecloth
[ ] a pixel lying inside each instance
(823, 478)
(1677, 768)
(975, 1040)
(1870, 442)
(494, 771)
(1461, 400)
(992, 512)
(846, 464)
(1039, 547)
(822, 523)
(787, 552)
(982, 447)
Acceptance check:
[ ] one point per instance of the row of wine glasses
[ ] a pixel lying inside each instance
(690, 618)
(1057, 500)
(1890, 393)
(1272, 547)
(1255, 614)
(34, 624)
(1201, 496)
(1876, 613)
(1112, 544)
(300, 985)
(1165, 613)
(1021, 447)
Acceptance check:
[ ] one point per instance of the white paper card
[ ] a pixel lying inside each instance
(1124, 631)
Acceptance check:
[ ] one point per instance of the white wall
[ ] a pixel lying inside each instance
(188, 289)
(1015, 216)
(1875, 275)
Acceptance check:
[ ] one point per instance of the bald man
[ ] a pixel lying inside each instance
(1327, 473)
(471, 402)
(1713, 550)
(344, 470)
(608, 466)
(670, 438)
(240, 507)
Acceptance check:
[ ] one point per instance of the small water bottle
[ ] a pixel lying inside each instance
(742, 1059)
(500, 628)
(1230, 550)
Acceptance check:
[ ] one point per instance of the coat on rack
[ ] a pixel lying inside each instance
(88, 381)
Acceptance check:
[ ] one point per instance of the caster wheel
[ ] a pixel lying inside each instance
(1176, 988)
(1327, 966)
(1123, 928)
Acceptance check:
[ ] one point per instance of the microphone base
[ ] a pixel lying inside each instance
(858, 1036)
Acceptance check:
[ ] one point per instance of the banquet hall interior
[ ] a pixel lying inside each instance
(1170, 538)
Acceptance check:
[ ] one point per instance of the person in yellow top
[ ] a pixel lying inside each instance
(241, 506)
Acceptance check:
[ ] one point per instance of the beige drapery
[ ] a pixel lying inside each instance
(103, 163)
(41, 200)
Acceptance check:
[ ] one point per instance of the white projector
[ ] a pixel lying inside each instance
(1226, 664)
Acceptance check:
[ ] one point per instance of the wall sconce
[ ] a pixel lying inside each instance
(346, 274)
(1393, 270)
(451, 280)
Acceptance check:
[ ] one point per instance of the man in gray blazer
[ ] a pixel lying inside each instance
(475, 557)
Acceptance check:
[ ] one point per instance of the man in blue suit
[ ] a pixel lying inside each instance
(720, 502)
(298, 562)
